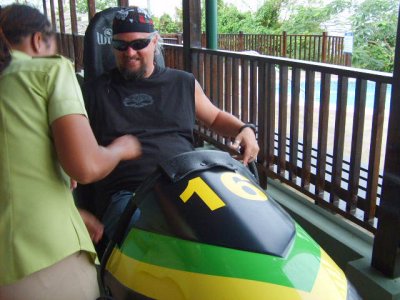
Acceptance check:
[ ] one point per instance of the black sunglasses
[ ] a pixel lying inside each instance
(138, 44)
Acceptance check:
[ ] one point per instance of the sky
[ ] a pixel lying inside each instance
(159, 7)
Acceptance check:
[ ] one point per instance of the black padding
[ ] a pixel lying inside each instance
(183, 164)
(97, 53)
(175, 201)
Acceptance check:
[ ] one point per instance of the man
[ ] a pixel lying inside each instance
(157, 105)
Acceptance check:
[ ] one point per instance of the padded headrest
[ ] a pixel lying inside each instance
(97, 53)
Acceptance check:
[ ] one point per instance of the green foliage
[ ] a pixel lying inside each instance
(374, 56)
(165, 24)
(82, 7)
(179, 19)
(307, 18)
(168, 24)
(374, 28)
(265, 20)
(374, 23)
(267, 17)
(243, 20)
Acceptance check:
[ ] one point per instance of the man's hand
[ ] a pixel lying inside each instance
(246, 139)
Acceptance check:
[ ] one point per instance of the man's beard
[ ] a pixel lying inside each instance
(133, 75)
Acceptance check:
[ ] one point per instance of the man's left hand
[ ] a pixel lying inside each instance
(246, 139)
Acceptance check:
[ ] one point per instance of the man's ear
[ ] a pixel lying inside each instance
(154, 40)
(37, 42)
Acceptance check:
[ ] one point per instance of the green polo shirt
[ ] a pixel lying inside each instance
(39, 223)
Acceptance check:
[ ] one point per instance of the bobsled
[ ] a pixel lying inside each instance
(201, 227)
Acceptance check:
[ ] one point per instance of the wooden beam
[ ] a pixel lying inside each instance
(191, 29)
(45, 8)
(123, 3)
(385, 255)
(53, 15)
(91, 8)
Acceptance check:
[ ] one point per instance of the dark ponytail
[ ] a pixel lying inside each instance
(16, 22)
(5, 56)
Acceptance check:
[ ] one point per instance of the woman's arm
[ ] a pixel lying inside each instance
(79, 153)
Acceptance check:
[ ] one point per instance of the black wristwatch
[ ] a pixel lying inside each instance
(249, 125)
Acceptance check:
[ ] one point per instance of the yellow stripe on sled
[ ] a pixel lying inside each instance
(165, 283)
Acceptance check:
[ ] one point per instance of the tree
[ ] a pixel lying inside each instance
(82, 7)
(231, 20)
(267, 17)
(179, 18)
(265, 20)
(307, 18)
(165, 24)
(374, 28)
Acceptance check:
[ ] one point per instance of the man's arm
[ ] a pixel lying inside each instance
(225, 124)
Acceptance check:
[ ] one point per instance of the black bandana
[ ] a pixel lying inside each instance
(132, 19)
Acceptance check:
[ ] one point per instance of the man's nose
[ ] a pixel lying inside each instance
(130, 51)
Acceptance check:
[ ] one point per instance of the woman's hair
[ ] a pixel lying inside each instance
(16, 22)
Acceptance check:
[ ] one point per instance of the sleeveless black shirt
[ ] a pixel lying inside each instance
(159, 111)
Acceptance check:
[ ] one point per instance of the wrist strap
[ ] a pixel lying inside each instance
(249, 125)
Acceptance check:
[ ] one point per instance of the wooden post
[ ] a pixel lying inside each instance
(191, 30)
(45, 8)
(324, 47)
(74, 22)
(385, 255)
(241, 41)
(203, 39)
(53, 15)
(347, 59)
(91, 8)
(62, 28)
(179, 39)
(284, 44)
(54, 23)
(74, 31)
(123, 3)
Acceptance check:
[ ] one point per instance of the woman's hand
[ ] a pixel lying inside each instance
(128, 145)
(93, 225)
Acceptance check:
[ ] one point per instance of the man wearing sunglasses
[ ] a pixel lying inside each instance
(158, 105)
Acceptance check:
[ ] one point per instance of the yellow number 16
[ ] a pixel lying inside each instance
(235, 183)
(242, 187)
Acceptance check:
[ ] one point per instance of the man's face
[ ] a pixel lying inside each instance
(135, 63)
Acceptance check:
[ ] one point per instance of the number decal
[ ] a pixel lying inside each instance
(242, 187)
(206, 194)
(235, 183)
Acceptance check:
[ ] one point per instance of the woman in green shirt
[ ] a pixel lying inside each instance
(45, 141)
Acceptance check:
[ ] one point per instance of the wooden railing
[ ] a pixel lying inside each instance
(318, 48)
(321, 129)
(71, 46)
